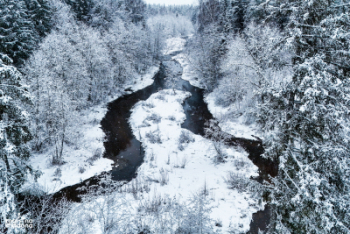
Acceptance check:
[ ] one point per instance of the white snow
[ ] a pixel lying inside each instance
(142, 81)
(189, 73)
(90, 139)
(235, 126)
(229, 205)
(174, 44)
(184, 168)
(177, 44)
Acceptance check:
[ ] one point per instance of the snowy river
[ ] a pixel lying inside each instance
(126, 151)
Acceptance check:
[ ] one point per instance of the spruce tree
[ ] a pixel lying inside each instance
(239, 8)
(256, 11)
(136, 10)
(40, 14)
(15, 134)
(311, 116)
(17, 32)
(82, 8)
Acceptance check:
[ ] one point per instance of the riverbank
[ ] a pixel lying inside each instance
(83, 158)
(229, 121)
(178, 167)
(190, 163)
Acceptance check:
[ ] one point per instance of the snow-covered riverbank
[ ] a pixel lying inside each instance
(189, 161)
(178, 167)
(83, 159)
(236, 126)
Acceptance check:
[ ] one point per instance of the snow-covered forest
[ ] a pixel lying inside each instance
(228, 116)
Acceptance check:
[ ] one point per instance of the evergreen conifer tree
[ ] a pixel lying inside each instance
(40, 13)
(82, 8)
(17, 32)
(14, 135)
(239, 10)
(311, 116)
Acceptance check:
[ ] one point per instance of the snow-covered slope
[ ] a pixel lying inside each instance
(141, 81)
(189, 73)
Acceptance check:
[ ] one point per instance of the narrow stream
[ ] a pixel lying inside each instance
(126, 151)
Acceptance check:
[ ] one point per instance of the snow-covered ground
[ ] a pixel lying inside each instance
(178, 165)
(188, 73)
(174, 170)
(142, 81)
(177, 44)
(236, 126)
(77, 165)
(79, 161)
(174, 44)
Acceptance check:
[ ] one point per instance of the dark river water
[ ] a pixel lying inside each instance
(121, 146)
(126, 151)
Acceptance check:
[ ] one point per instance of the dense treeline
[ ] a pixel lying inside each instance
(285, 65)
(185, 10)
(87, 10)
(22, 24)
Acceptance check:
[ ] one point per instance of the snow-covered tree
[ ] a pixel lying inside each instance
(206, 51)
(82, 8)
(170, 25)
(40, 13)
(98, 64)
(197, 216)
(136, 10)
(77, 66)
(130, 49)
(208, 13)
(15, 135)
(17, 32)
(239, 8)
(310, 114)
(105, 12)
(57, 74)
